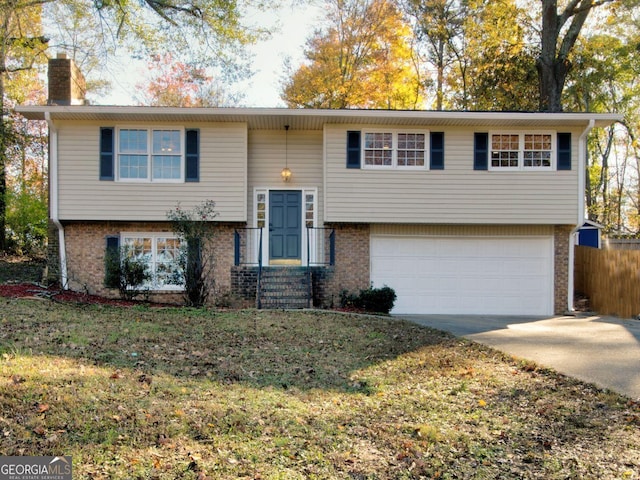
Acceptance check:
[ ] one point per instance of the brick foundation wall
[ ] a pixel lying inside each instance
(86, 244)
(244, 281)
(351, 271)
(561, 267)
(323, 297)
(53, 254)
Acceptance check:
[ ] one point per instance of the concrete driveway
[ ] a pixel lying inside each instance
(600, 350)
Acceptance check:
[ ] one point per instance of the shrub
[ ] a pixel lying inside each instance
(126, 273)
(378, 300)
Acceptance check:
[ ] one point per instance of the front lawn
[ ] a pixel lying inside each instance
(176, 393)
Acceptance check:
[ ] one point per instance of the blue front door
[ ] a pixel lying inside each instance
(285, 227)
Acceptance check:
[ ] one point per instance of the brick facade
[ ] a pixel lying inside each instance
(86, 245)
(52, 274)
(352, 268)
(350, 272)
(244, 281)
(561, 235)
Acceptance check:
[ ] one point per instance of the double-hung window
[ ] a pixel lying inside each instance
(161, 253)
(522, 151)
(395, 149)
(150, 155)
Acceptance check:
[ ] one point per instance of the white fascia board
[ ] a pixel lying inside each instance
(313, 118)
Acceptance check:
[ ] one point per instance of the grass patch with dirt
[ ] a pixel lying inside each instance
(182, 393)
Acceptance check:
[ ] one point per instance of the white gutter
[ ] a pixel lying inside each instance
(53, 198)
(582, 173)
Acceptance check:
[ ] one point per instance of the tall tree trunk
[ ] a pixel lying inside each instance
(440, 77)
(551, 77)
(553, 62)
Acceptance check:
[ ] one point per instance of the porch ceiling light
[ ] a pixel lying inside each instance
(286, 172)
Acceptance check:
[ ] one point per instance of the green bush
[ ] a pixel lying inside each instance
(125, 273)
(26, 223)
(377, 300)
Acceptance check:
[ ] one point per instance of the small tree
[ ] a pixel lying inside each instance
(195, 229)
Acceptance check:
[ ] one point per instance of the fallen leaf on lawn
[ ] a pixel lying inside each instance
(43, 407)
(39, 430)
(482, 403)
(115, 375)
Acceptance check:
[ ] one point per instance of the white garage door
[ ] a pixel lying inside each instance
(469, 275)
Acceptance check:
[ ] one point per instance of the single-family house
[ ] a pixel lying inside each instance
(458, 212)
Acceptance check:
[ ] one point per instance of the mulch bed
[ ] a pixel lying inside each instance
(31, 290)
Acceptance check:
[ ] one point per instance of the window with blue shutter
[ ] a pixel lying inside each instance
(107, 157)
(112, 262)
(192, 156)
(353, 149)
(481, 151)
(564, 151)
(437, 151)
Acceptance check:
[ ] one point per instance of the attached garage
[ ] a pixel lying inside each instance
(466, 275)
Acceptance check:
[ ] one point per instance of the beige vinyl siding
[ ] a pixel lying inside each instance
(457, 194)
(267, 159)
(82, 196)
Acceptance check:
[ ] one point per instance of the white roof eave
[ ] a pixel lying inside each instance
(313, 119)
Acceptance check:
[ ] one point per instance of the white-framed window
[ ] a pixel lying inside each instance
(150, 154)
(402, 149)
(521, 151)
(161, 252)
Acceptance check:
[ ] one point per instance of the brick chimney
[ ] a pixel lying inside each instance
(66, 82)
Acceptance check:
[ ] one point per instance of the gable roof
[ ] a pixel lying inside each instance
(314, 119)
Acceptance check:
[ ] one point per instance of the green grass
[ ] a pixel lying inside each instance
(181, 393)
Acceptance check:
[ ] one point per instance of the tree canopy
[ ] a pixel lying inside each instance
(362, 58)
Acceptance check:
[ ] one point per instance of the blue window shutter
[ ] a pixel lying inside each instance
(112, 262)
(437, 151)
(192, 156)
(481, 151)
(564, 151)
(107, 167)
(353, 149)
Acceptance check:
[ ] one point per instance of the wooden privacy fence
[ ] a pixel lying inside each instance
(611, 280)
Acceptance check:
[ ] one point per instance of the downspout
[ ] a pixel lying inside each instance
(582, 160)
(53, 198)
